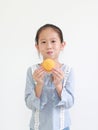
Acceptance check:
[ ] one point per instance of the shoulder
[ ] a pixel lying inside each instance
(66, 67)
(32, 68)
(68, 74)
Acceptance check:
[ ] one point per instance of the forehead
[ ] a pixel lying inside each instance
(48, 32)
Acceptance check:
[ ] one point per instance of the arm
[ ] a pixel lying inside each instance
(38, 77)
(58, 76)
(32, 101)
(67, 94)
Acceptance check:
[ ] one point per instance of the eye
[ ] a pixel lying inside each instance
(53, 41)
(43, 42)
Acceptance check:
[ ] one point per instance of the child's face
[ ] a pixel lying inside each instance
(49, 44)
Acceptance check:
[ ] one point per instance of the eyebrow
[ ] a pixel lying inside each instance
(50, 39)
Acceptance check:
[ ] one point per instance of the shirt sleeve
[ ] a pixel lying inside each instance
(31, 100)
(67, 95)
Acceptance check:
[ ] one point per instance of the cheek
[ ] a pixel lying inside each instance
(57, 47)
(42, 50)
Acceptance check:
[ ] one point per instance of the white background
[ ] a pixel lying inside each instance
(19, 21)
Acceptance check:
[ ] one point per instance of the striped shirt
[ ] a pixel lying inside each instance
(50, 112)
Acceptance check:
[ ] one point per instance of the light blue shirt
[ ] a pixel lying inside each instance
(49, 103)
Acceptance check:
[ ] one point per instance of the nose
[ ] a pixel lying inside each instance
(48, 45)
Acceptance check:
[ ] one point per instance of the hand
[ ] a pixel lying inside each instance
(38, 76)
(58, 76)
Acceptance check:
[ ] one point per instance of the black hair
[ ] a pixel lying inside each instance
(54, 27)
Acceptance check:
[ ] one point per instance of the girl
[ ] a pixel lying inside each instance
(49, 95)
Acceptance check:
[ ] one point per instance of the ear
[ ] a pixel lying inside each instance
(63, 44)
(37, 47)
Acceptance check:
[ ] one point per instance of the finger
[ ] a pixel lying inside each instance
(38, 71)
(41, 74)
(59, 77)
(58, 73)
(56, 70)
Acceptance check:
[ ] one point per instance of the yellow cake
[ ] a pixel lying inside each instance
(48, 64)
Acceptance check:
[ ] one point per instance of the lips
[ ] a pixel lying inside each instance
(49, 52)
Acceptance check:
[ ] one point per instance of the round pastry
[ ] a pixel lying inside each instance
(48, 64)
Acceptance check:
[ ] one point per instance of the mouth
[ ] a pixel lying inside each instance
(50, 52)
